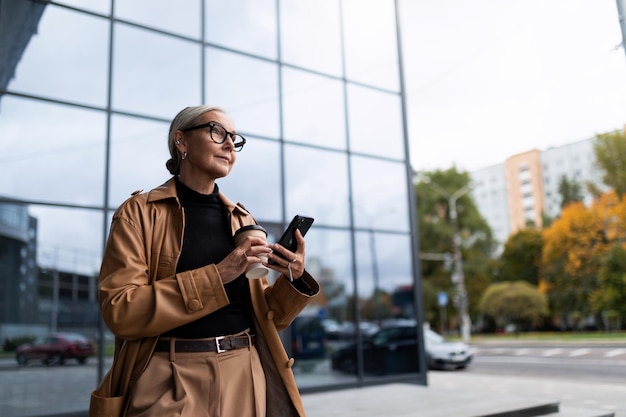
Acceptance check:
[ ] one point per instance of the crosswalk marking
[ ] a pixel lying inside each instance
(552, 352)
(614, 352)
(579, 352)
(549, 352)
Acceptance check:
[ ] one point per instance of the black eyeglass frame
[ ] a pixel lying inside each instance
(236, 146)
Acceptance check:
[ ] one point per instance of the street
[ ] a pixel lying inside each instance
(605, 364)
(580, 375)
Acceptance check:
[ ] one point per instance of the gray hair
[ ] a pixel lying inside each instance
(187, 117)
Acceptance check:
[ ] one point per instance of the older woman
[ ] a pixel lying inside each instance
(194, 336)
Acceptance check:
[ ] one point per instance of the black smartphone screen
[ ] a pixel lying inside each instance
(288, 239)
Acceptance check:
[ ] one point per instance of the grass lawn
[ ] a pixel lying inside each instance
(553, 336)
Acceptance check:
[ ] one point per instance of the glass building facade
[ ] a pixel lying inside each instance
(87, 91)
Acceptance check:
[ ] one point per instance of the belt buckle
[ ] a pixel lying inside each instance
(217, 344)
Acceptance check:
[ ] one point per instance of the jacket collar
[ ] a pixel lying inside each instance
(168, 190)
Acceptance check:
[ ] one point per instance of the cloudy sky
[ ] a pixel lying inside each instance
(487, 79)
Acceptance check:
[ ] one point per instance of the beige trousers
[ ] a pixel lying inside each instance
(200, 384)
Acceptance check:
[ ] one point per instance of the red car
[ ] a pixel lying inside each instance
(55, 348)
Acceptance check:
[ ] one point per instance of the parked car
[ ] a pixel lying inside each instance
(308, 338)
(393, 349)
(55, 348)
(332, 329)
(442, 354)
(367, 329)
(347, 329)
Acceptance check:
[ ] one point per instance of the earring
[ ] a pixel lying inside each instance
(184, 155)
(177, 142)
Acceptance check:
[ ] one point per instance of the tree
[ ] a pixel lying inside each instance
(436, 236)
(377, 307)
(610, 153)
(521, 258)
(574, 248)
(570, 191)
(610, 297)
(517, 302)
(571, 247)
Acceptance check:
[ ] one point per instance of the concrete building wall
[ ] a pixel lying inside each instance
(490, 195)
(574, 161)
(525, 189)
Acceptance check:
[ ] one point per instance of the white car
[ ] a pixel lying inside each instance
(441, 354)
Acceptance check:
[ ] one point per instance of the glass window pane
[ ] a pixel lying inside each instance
(48, 268)
(329, 259)
(371, 47)
(98, 6)
(375, 122)
(379, 194)
(384, 271)
(69, 239)
(183, 18)
(313, 109)
(383, 262)
(60, 157)
(255, 179)
(246, 88)
(136, 143)
(244, 25)
(317, 185)
(74, 59)
(147, 79)
(307, 43)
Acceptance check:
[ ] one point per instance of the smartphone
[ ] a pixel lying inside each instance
(288, 239)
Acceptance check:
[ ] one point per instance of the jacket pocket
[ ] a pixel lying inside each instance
(106, 406)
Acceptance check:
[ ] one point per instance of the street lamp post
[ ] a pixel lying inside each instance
(458, 278)
(621, 11)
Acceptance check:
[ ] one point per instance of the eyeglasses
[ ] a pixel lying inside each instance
(219, 134)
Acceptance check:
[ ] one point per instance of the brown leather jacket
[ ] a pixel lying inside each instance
(141, 295)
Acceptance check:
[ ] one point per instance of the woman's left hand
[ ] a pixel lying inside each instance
(292, 265)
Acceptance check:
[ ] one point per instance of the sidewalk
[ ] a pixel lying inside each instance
(463, 394)
(448, 394)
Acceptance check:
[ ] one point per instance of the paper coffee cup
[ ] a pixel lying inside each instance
(256, 270)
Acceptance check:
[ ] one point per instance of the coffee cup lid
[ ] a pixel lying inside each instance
(251, 227)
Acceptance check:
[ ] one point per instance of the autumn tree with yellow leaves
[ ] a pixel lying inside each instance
(574, 249)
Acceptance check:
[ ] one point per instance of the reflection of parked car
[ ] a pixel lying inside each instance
(332, 328)
(55, 348)
(308, 338)
(347, 330)
(394, 350)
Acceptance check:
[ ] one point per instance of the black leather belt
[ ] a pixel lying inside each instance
(217, 344)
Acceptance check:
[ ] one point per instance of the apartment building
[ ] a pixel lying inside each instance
(525, 187)
(576, 162)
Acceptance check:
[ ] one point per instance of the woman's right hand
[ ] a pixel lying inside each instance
(237, 262)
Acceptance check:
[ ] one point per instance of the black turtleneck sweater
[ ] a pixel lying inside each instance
(207, 240)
